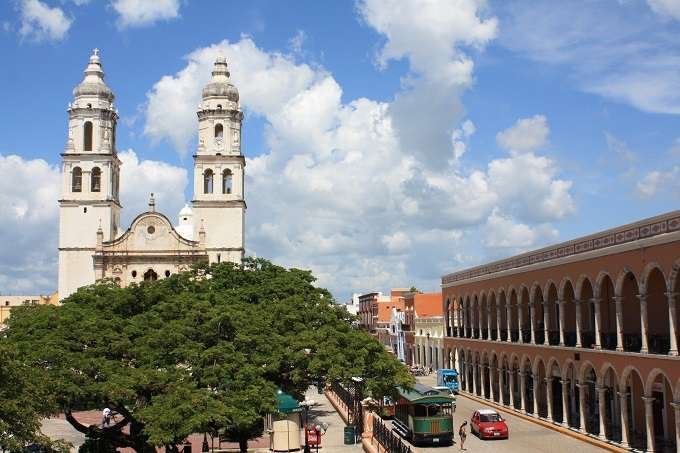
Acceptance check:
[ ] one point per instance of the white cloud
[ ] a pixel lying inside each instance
(295, 43)
(29, 229)
(620, 51)
(526, 135)
(140, 178)
(397, 242)
(657, 181)
(266, 81)
(430, 34)
(460, 137)
(340, 189)
(42, 22)
(136, 13)
(503, 232)
(527, 187)
(670, 8)
(436, 37)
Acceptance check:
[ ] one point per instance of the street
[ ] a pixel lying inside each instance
(525, 436)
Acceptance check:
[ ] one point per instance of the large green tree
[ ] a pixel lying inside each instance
(203, 351)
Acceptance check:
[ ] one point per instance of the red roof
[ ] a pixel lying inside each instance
(428, 304)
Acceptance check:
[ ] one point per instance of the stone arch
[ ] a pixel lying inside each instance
(658, 389)
(504, 334)
(528, 390)
(76, 179)
(538, 301)
(632, 388)
(569, 376)
(591, 410)
(566, 280)
(493, 316)
(674, 277)
(604, 292)
(646, 273)
(515, 390)
(208, 179)
(494, 369)
(598, 282)
(569, 314)
(585, 297)
(608, 391)
(655, 287)
(485, 375)
(475, 316)
(524, 315)
(627, 288)
(554, 388)
(513, 302)
(552, 310)
(578, 286)
(540, 387)
(483, 316)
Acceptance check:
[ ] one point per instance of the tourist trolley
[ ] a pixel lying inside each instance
(424, 415)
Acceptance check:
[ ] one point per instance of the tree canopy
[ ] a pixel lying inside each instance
(202, 351)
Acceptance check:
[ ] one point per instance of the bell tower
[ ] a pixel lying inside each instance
(90, 179)
(219, 203)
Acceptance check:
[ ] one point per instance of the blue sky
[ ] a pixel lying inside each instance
(388, 142)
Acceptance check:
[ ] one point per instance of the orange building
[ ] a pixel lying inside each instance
(582, 333)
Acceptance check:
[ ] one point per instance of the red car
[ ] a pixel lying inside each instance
(488, 424)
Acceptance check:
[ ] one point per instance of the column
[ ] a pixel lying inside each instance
(676, 408)
(508, 321)
(511, 374)
(582, 389)
(598, 322)
(644, 324)
(625, 429)
(491, 386)
(441, 356)
(520, 317)
(465, 322)
(673, 318)
(522, 391)
(549, 395)
(546, 323)
(649, 422)
(618, 300)
(501, 386)
(560, 304)
(537, 393)
(488, 323)
(532, 322)
(566, 406)
(578, 323)
(601, 395)
(498, 322)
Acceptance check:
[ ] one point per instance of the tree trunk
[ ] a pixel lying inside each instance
(243, 444)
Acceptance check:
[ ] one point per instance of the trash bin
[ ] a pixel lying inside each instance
(350, 435)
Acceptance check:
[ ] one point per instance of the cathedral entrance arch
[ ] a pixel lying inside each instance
(150, 276)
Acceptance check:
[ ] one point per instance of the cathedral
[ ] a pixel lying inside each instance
(92, 243)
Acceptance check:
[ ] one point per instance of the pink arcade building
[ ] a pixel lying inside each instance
(583, 334)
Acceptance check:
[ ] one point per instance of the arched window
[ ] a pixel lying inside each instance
(77, 180)
(87, 136)
(208, 181)
(219, 130)
(150, 276)
(226, 181)
(96, 180)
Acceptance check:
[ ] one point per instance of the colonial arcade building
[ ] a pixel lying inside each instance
(92, 243)
(583, 334)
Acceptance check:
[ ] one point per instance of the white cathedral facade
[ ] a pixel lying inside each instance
(92, 244)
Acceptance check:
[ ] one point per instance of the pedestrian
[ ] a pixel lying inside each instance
(462, 433)
(106, 417)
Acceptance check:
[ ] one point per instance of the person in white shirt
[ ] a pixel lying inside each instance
(106, 417)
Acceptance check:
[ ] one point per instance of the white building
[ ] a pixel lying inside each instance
(397, 334)
(352, 306)
(92, 244)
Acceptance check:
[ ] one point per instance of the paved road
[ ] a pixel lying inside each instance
(525, 436)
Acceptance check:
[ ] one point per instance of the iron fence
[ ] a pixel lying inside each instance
(390, 441)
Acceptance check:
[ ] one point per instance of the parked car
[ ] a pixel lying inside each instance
(488, 424)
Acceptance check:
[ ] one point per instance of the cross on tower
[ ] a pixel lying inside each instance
(95, 52)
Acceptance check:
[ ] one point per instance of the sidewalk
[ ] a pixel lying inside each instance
(323, 412)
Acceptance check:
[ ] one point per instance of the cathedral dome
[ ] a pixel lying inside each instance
(185, 228)
(220, 85)
(93, 84)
